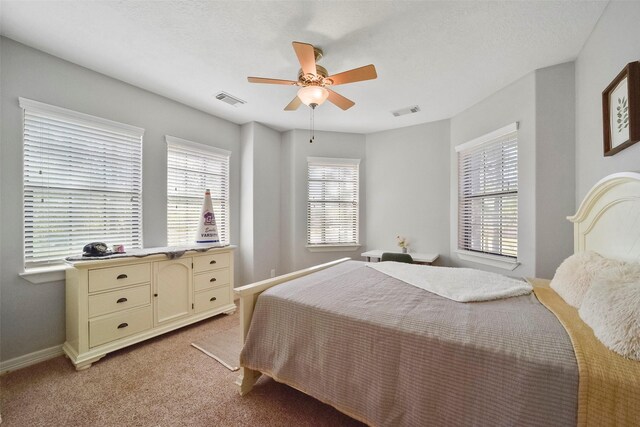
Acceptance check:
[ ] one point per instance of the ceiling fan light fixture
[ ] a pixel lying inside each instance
(312, 79)
(313, 95)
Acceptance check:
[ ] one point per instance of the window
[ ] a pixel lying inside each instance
(488, 194)
(332, 208)
(191, 169)
(82, 183)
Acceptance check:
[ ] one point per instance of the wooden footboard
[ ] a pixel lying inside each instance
(248, 295)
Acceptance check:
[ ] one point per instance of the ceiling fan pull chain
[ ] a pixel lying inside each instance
(311, 125)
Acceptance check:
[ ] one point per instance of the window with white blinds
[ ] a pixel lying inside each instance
(488, 194)
(82, 183)
(191, 169)
(333, 195)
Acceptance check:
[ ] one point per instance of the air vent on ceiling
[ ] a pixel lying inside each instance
(229, 99)
(408, 110)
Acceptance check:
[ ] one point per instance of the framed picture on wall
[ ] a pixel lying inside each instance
(621, 110)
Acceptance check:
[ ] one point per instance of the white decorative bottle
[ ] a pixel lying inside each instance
(207, 230)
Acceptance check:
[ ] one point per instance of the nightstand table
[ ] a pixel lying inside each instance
(418, 258)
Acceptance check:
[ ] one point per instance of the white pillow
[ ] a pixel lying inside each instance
(612, 308)
(575, 274)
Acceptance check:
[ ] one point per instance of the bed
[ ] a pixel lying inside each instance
(387, 353)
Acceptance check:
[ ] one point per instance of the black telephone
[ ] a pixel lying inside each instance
(96, 249)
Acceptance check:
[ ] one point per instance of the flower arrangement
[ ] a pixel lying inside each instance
(402, 242)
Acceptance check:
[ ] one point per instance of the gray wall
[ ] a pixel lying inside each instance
(260, 202)
(266, 197)
(245, 250)
(555, 161)
(408, 188)
(543, 104)
(615, 41)
(1, 191)
(514, 103)
(293, 224)
(33, 315)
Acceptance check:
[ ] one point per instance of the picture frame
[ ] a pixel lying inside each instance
(621, 110)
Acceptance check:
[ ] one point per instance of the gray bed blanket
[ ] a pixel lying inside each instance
(390, 354)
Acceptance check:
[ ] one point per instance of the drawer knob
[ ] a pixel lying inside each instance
(121, 276)
(213, 261)
(122, 325)
(213, 279)
(213, 299)
(121, 300)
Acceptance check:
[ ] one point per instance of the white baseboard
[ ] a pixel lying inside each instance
(30, 359)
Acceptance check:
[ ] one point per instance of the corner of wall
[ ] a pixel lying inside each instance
(286, 205)
(245, 249)
(555, 166)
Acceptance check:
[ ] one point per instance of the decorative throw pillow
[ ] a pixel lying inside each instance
(611, 308)
(575, 274)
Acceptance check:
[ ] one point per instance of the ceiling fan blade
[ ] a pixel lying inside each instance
(306, 57)
(368, 72)
(270, 81)
(294, 104)
(340, 100)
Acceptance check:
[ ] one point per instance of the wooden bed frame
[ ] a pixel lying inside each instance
(607, 222)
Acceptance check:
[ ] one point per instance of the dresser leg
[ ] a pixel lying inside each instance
(87, 363)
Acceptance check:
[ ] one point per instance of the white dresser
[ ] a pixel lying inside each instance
(113, 303)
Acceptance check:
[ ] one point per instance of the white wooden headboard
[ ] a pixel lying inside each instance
(608, 220)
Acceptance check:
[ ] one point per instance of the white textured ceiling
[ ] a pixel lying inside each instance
(441, 55)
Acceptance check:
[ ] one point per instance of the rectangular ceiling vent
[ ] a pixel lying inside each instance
(229, 99)
(405, 111)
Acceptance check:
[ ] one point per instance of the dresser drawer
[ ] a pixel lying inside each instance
(119, 325)
(210, 262)
(120, 299)
(114, 277)
(208, 300)
(211, 279)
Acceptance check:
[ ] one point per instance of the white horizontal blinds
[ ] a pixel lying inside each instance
(82, 183)
(191, 169)
(332, 209)
(488, 197)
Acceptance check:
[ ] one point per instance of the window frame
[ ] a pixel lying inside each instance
(334, 247)
(172, 140)
(41, 271)
(502, 261)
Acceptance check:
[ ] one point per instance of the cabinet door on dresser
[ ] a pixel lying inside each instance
(173, 290)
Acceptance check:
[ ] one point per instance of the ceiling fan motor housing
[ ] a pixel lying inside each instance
(318, 79)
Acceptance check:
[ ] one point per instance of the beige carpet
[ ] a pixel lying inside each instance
(161, 382)
(223, 346)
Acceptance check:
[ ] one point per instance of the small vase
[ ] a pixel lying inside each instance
(404, 250)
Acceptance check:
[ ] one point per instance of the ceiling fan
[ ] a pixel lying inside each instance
(314, 80)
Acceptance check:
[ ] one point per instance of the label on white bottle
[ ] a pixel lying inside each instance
(207, 229)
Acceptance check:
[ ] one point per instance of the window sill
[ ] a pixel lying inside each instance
(498, 261)
(332, 248)
(41, 275)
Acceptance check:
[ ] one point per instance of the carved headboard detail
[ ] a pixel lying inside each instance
(608, 220)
